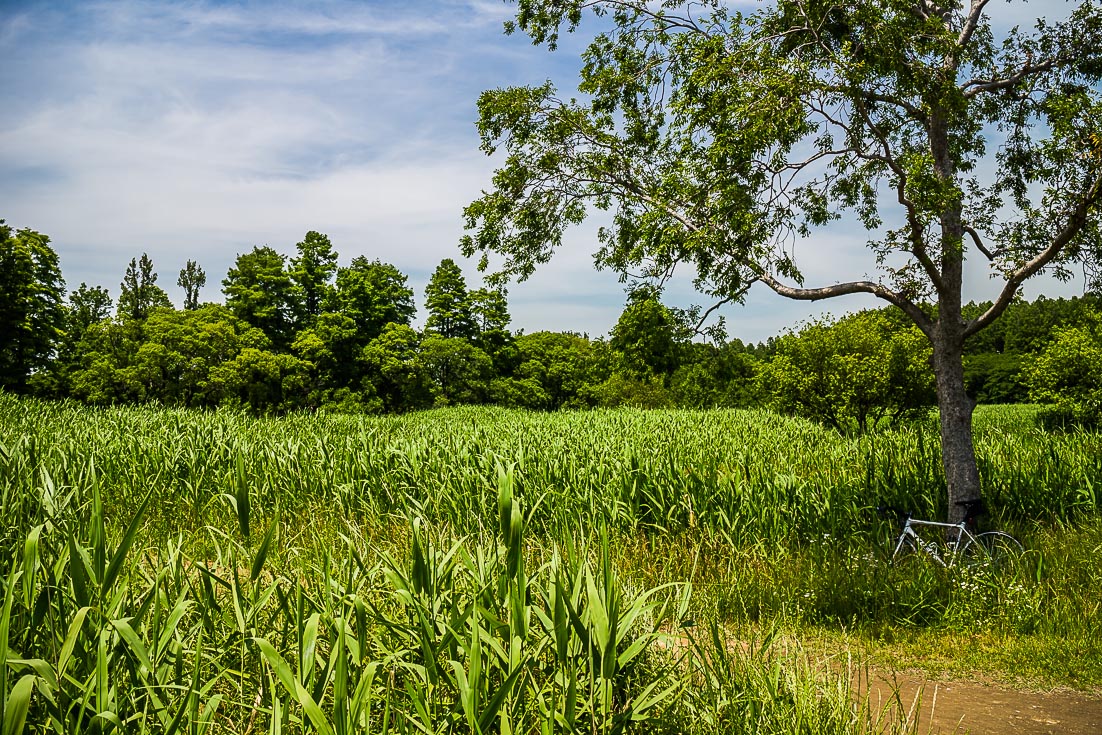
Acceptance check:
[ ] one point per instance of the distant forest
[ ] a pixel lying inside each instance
(300, 332)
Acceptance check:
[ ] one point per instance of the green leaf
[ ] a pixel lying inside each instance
(117, 560)
(80, 572)
(30, 566)
(294, 687)
(241, 497)
(598, 615)
(265, 545)
(5, 621)
(70, 641)
(133, 642)
(18, 702)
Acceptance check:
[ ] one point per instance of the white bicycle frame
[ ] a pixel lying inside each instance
(963, 537)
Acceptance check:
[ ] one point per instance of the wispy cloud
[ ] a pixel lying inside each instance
(197, 129)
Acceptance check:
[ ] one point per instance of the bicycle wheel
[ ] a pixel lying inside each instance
(994, 549)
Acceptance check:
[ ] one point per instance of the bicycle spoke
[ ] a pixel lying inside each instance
(993, 549)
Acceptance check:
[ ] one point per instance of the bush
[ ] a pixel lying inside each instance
(852, 374)
(1067, 377)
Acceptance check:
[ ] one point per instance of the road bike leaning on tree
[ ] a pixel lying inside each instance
(964, 546)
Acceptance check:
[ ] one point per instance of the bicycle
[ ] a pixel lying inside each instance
(990, 548)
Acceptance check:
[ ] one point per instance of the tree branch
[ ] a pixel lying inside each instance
(973, 87)
(979, 243)
(1073, 227)
(911, 309)
(733, 297)
(914, 222)
(974, 14)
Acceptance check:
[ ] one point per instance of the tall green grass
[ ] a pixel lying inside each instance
(484, 570)
(741, 476)
(457, 636)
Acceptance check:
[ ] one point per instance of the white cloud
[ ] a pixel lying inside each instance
(196, 130)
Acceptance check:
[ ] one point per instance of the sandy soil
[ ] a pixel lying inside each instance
(941, 707)
(983, 709)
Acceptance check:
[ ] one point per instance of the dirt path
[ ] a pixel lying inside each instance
(983, 709)
(939, 707)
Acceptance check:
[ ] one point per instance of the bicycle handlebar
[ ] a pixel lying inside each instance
(886, 511)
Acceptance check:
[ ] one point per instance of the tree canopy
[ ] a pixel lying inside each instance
(259, 291)
(32, 317)
(139, 293)
(720, 139)
(192, 279)
(853, 373)
(448, 302)
(312, 272)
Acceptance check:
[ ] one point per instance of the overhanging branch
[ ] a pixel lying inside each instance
(911, 309)
(1074, 225)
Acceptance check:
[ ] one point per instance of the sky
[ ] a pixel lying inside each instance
(200, 129)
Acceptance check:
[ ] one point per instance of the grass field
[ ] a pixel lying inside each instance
(484, 570)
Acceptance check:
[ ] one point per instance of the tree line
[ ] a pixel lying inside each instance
(301, 332)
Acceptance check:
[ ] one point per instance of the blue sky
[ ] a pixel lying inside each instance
(199, 129)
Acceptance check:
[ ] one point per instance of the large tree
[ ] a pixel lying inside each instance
(32, 316)
(312, 272)
(139, 293)
(372, 294)
(87, 306)
(646, 336)
(449, 303)
(192, 279)
(852, 374)
(259, 291)
(721, 138)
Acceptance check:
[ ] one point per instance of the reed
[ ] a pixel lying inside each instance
(484, 570)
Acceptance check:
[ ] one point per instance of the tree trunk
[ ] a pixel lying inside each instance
(958, 456)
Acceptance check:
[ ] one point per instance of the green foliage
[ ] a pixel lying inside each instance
(192, 279)
(564, 365)
(459, 370)
(995, 358)
(372, 294)
(448, 303)
(368, 298)
(331, 345)
(630, 389)
(32, 315)
(181, 350)
(259, 291)
(171, 357)
(717, 377)
(312, 272)
(87, 306)
(393, 366)
(104, 351)
(490, 310)
(518, 393)
(1067, 376)
(993, 377)
(139, 293)
(852, 374)
(261, 381)
(646, 337)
